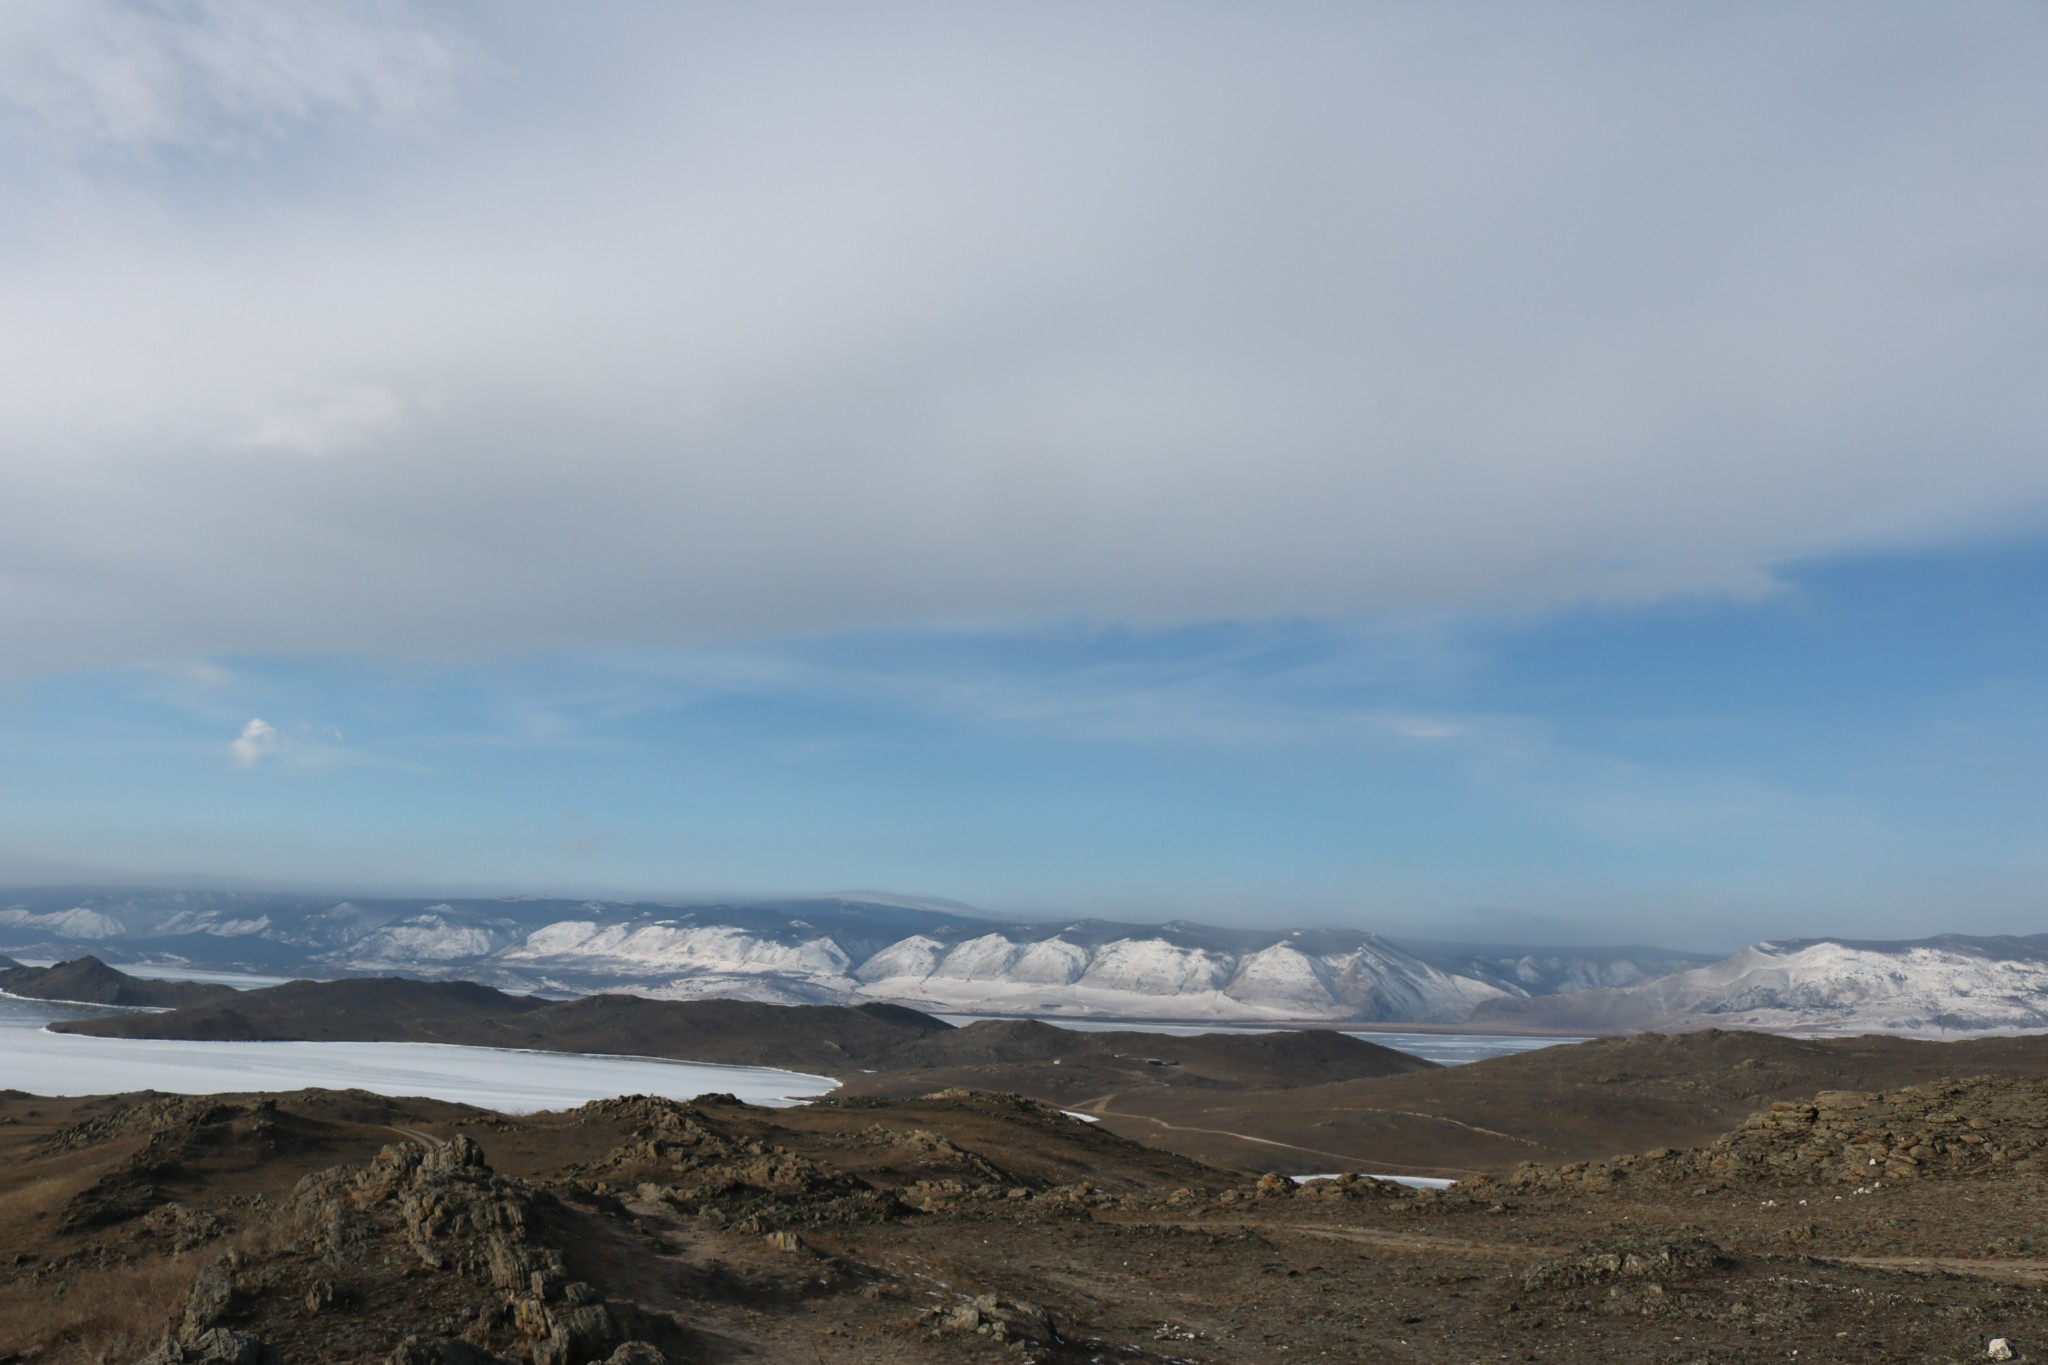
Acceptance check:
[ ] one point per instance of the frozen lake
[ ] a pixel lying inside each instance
(493, 1078)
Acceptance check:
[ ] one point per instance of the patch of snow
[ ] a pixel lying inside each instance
(910, 959)
(1155, 967)
(1413, 1182)
(424, 938)
(643, 948)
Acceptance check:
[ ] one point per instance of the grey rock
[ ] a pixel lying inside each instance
(637, 1353)
(440, 1351)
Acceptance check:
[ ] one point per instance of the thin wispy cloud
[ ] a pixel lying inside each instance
(92, 77)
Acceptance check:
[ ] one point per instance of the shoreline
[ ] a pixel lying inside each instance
(1135, 1022)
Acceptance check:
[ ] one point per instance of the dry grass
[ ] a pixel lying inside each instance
(34, 1197)
(116, 1314)
(87, 1314)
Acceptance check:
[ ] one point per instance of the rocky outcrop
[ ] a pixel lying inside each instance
(1647, 1259)
(175, 1131)
(359, 1235)
(201, 1334)
(1986, 1126)
(1021, 1325)
(679, 1159)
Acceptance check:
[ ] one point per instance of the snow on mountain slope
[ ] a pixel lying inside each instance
(1940, 987)
(987, 958)
(211, 922)
(76, 923)
(813, 951)
(666, 946)
(1157, 977)
(1283, 974)
(1152, 966)
(914, 958)
(1049, 962)
(1556, 971)
(435, 936)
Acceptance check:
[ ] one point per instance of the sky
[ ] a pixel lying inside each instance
(1545, 474)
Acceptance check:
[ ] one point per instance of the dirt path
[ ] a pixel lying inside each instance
(1985, 1268)
(1101, 1109)
(1383, 1238)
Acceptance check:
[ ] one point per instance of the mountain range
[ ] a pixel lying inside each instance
(1944, 986)
(944, 957)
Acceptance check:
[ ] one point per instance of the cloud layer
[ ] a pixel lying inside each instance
(346, 328)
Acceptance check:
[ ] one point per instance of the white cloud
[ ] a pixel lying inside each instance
(696, 326)
(259, 740)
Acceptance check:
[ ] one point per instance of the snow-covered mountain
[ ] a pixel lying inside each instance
(947, 958)
(1556, 971)
(1179, 970)
(1936, 987)
(974, 966)
(831, 949)
(78, 923)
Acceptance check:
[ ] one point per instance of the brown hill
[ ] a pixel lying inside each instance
(875, 1048)
(1569, 1103)
(91, 981)
(1292, 1101)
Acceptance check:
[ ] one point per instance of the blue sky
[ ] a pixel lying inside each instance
(1864, 751)
(1549, 476)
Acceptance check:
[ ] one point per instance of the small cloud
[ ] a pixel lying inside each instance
(258, 741)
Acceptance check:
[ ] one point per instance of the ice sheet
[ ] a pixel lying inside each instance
(514, 1082)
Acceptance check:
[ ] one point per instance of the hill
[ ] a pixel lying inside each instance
(91, 981)
(1569, 1103)
(967, 1229)
(1299, 1101)
(850, 1042)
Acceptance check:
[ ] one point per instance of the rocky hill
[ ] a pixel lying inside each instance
(1576, 1102)
(965, 1229)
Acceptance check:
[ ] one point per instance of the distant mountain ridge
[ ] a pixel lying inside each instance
(810, 951)
(843, 950)
(1948, 985)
